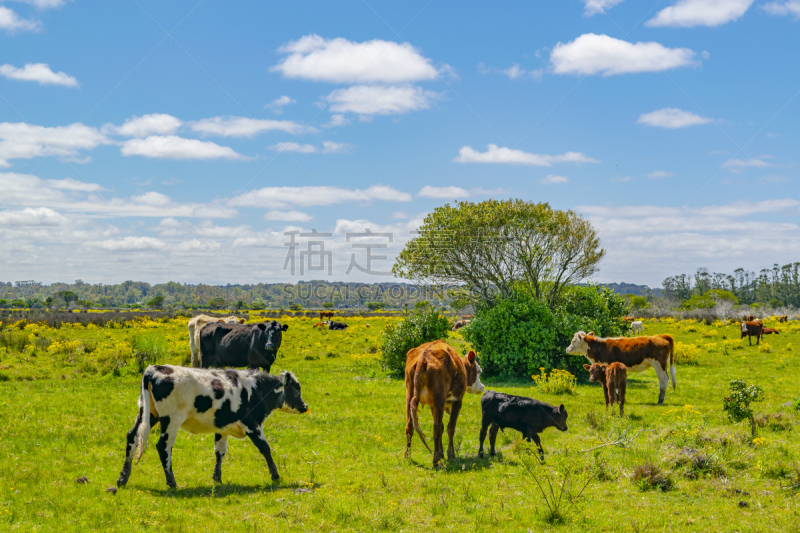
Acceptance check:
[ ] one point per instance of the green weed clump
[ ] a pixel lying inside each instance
(557, 382)
(648, 476)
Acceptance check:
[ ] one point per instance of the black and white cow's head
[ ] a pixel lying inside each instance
(290, 400)
(270, 335)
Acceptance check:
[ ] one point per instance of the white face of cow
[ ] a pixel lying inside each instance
(477, 387)
(744, 327)
(578, 346)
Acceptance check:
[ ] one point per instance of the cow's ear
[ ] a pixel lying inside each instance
(586, 366)
(274, 323)
(471, 356)
(241, 321)
(285, 327)
(261, 326)
(590, 333)
(561, 408)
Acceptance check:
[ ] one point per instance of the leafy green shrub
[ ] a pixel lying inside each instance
(519, 335)
(737, 405)
(258, 306)
(421, 326)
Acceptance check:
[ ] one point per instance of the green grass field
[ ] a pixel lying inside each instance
(69, 397)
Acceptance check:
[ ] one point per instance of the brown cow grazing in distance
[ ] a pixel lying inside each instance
(628, 318)
(749, 318)
(637, 354)
(325, 314)
(437, 377)
(769, 331)
(614, 379)
(321, 325)
(459, 324)
(753, 328)
(783, 318)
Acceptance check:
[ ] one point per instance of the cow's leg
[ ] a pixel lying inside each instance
(492, 437)
(621, 391)
(538, 441)
(484, 427)
(606, 394)
(169, 432)
(129, 447)
(256, 435)
(438, 431)
(663, 381)
(409, 421)
(451, 429)
(220, 449)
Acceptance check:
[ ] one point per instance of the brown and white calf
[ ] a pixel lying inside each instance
(753, 328)
(437, 377)
(769, 331)
(196, 324)
(614, 378)
(637, 354)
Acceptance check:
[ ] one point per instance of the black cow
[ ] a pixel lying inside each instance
(526, 415)
(251, 345)
(227, 403)
(337, 325)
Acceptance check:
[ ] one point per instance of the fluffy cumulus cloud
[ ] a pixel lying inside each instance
(672, 118)
(13, 23)
(174, 147)
(600, 54)
(737, 165)
(23, 141)
(648, 243)
(152, 124)
(293, 147)
(129, 243)
(287, 216)
(786, 8)
(281, 197)
(330, 147)
(245, 127)
(279, 103)
(30, 216)
(552, 179)
(38, 72)
(379, 100)
(341, 61)
(689, 13)
(453, 192)
(497, 155)
(593, 7)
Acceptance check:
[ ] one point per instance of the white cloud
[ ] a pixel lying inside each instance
(174, 147)
(39, 216)
(513, 72)
(44, 4)
(38, 72)
(399, 215)
(293, 147)
(601, 54)
(341, 61)
(337, 120)
(495, 154)
(689, 13)
(245, 127)
(152, 124)
(672, 118)
(737, 165)
(330, 147)
(24, 141)
(199, 245)
(279, 103)
(128, 244)
(593, 7)
(783, 9)
(378, 100)
(287, 216)
(658, 174)
(551, 179)
(281, 197)
(772, 178)
(12, 23)
(452, 192)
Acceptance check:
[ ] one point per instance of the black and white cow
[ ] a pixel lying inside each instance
(251, 345)
(227, 403)
(337, 325)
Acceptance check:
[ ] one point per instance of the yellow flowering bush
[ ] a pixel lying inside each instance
(558, 382)
(764, 348)
(687, 354)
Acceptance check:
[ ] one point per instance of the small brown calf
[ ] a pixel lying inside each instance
(783, 318)
(769, 331)
(614, 379)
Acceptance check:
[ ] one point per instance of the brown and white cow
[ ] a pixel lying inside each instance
(614, 378)
(196, 324)
(752, 328)
(437, 377)
(636, 353)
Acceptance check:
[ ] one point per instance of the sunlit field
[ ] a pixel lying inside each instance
(69, 397)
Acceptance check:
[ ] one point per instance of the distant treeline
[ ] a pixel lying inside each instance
(138, 294)
(778, 286)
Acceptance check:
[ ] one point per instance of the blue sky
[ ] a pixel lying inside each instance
(180, 142)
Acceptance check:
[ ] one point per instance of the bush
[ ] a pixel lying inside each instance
(686, 354)
(558, 382)
(737, 405)
(520, 334)
(258, 306)
(421, 326)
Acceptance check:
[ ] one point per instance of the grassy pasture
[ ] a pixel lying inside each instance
(69, 397)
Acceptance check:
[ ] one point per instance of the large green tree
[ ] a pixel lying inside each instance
(490, 247)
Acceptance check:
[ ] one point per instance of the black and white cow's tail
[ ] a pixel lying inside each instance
(415, 402)
(144, 426)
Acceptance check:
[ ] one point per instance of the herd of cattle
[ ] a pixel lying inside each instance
(211, 397)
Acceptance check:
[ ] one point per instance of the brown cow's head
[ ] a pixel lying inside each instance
(597, 372)
(474, 384)
(578, 346)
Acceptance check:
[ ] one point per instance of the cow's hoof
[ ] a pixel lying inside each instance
(172, 485)
(480, 454)
(451, 456)
(217, 480)
(275, 476)
(121, 482)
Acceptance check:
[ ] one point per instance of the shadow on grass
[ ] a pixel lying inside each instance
(226, 489)
(459, 464)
